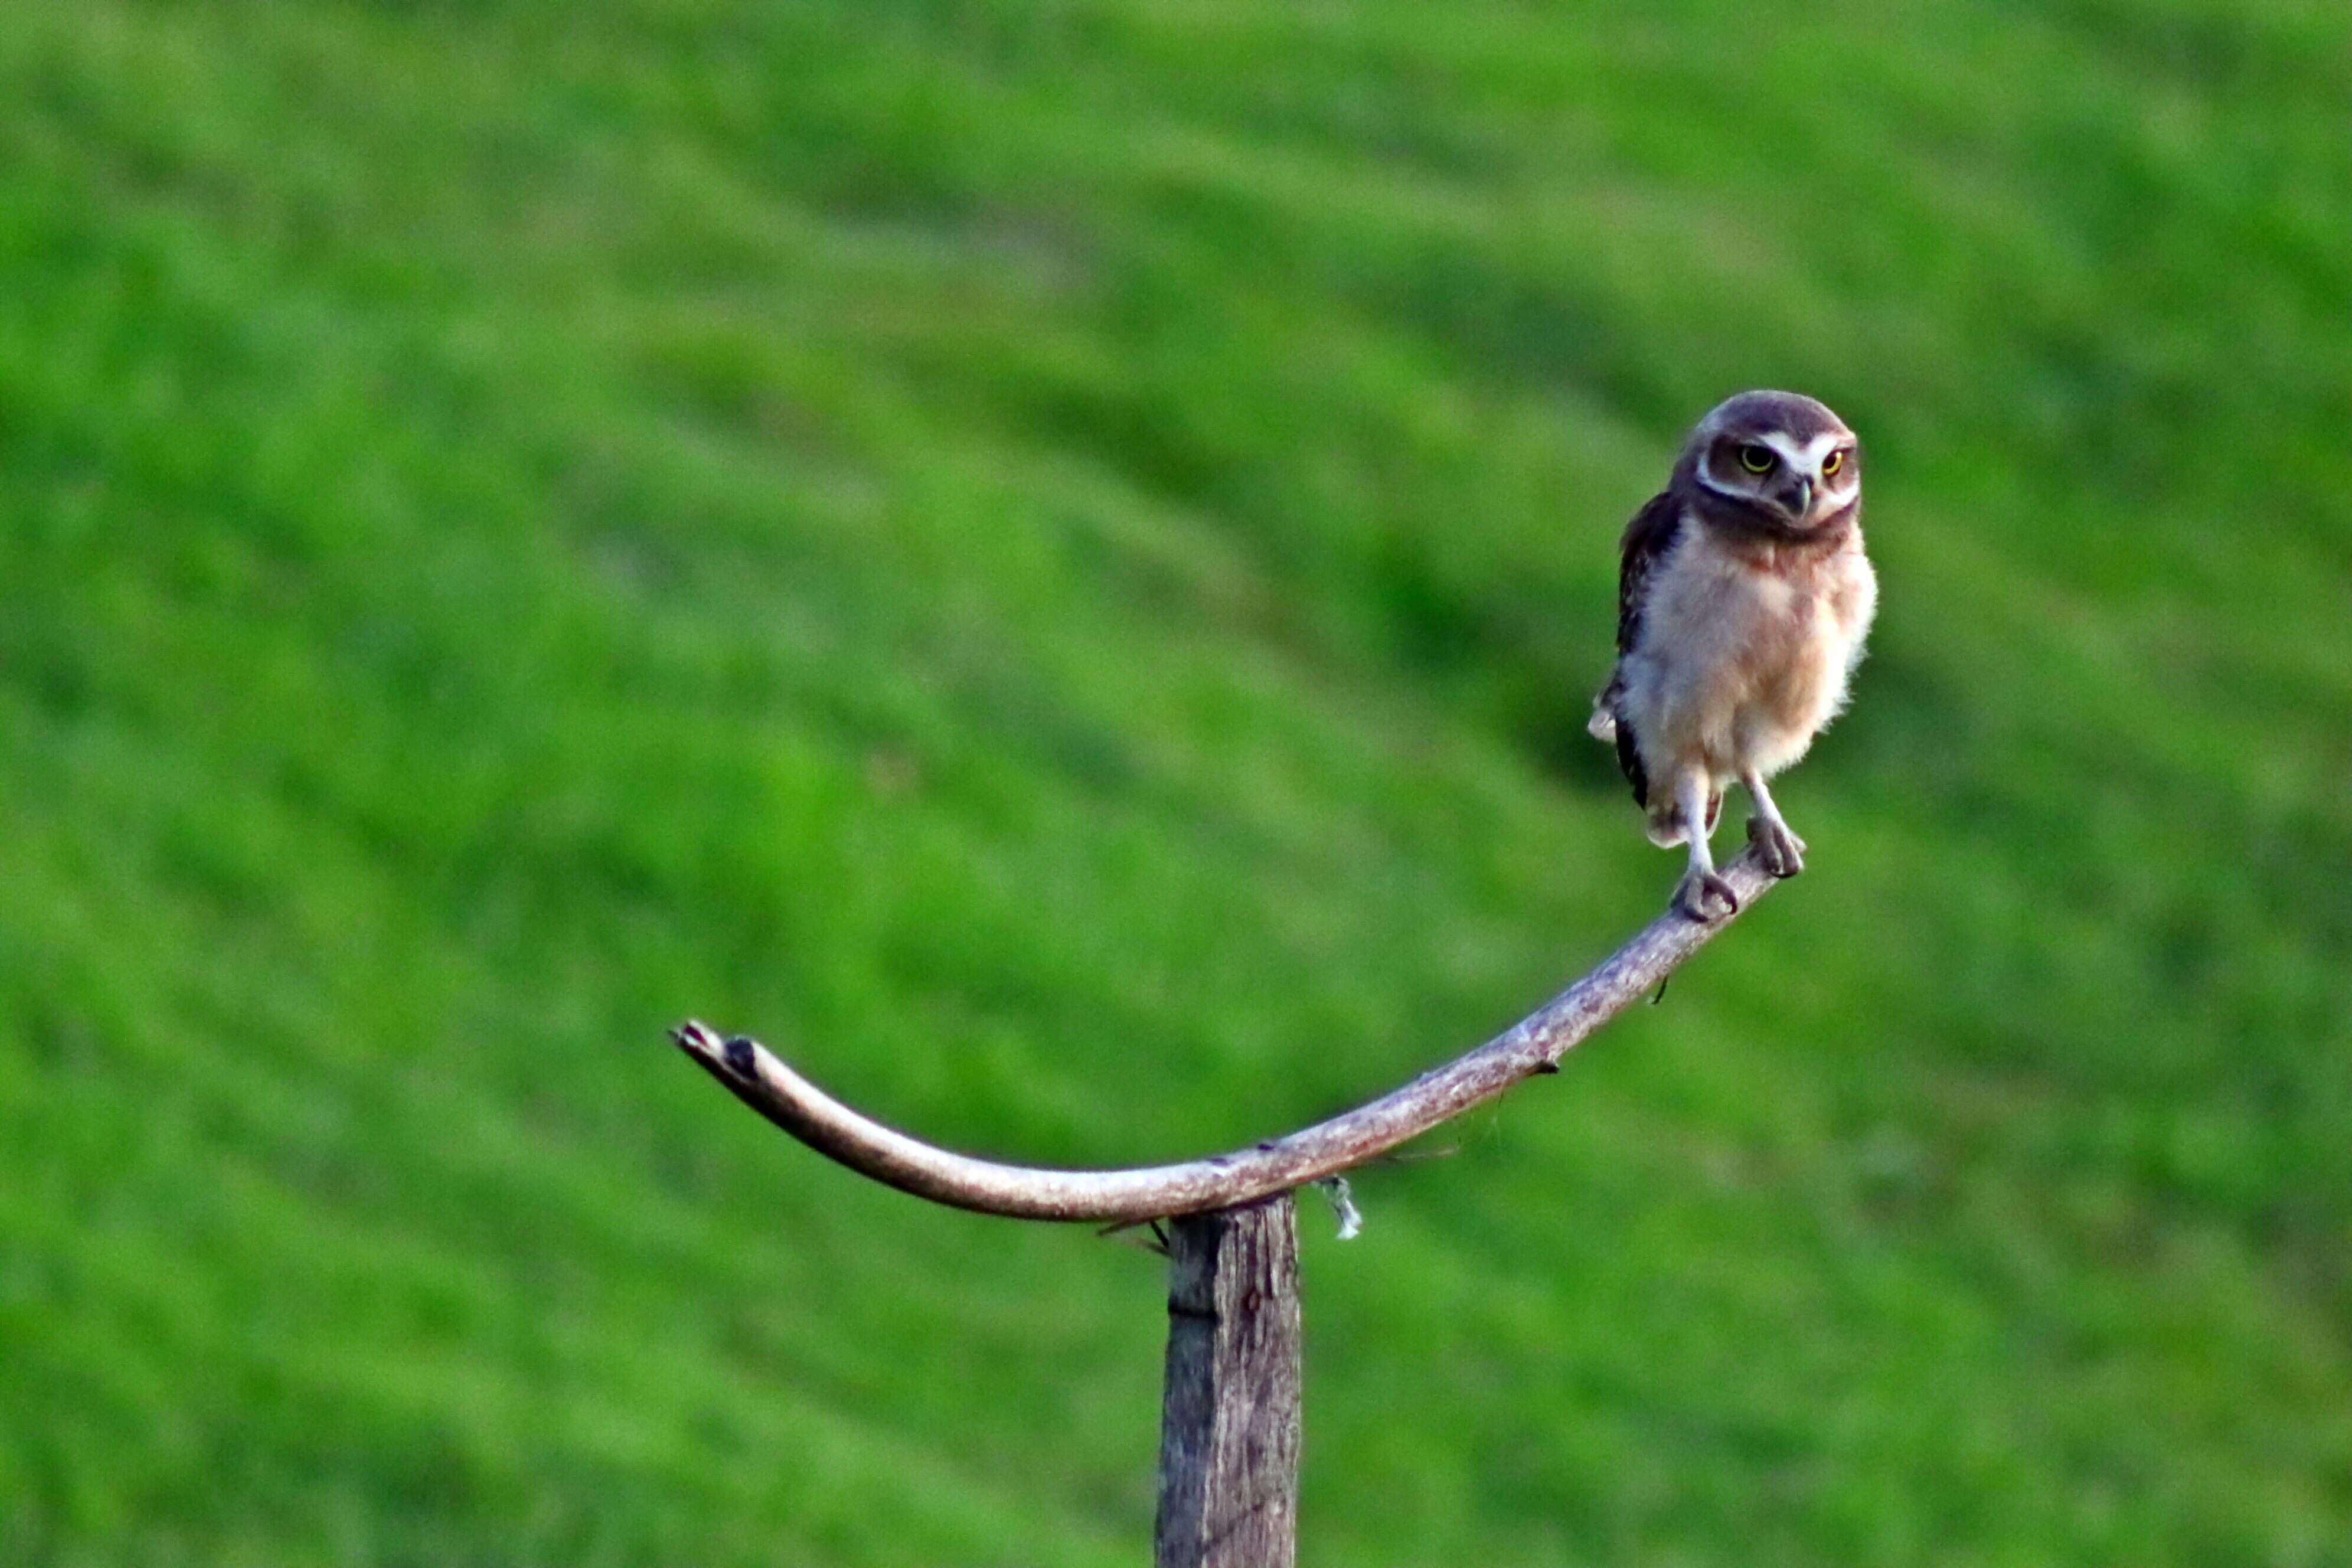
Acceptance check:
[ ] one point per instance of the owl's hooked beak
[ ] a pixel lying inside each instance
(1795, 498)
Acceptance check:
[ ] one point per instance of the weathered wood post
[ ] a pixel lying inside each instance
(1229, 1417)
(1230, 1414)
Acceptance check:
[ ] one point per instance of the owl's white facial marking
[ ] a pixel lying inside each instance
(1775, 469)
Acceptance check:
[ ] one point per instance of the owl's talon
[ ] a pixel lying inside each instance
(1697, 889)
(1778, 850)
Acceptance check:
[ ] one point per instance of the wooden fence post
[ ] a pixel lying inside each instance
(1229, 1418)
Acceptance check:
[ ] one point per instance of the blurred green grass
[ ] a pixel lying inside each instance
(1047, 560)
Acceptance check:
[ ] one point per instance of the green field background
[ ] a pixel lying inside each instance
(1048, 559)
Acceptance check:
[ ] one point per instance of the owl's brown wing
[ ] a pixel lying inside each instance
(1647, 538)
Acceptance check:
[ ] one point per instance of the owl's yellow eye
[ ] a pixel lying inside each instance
(1832, 464)
(1757, 457)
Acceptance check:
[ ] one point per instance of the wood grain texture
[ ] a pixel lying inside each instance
(1229, 1430)
(1533, 1045)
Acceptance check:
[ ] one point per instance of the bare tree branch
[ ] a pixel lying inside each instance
(1535, 1044)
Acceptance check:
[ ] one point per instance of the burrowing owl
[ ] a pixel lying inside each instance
(1742, 602)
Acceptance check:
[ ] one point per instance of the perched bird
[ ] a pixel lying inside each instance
(1743, 597)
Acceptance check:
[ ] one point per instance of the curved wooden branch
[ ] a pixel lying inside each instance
(1533, 1045)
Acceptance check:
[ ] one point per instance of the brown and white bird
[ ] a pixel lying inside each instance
(1743, 598)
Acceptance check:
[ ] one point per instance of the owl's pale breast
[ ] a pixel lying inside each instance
(1745, 654)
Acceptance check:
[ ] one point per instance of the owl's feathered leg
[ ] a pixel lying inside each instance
(1780, 850)
(1700, 887)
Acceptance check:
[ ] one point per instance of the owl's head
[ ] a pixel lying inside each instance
(1780, 454)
